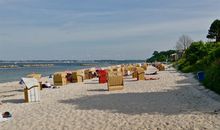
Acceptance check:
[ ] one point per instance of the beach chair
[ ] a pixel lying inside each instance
(115, 81)
(31, 90)
(151, 70)
(60, 79)
(102, 76)
(78, 76)
(34, 75)
(160, 67)
(134, 73)
(130, 68)
(140, 73)
(144, 66)
(137, 65)
(88, 74)
(124, 71)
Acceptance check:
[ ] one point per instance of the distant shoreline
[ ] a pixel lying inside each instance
(25, 65)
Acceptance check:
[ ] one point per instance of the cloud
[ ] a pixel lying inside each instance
(43, 35)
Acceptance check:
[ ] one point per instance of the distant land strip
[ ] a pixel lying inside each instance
(26, 65)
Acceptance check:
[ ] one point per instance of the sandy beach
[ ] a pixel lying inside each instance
(175, 101)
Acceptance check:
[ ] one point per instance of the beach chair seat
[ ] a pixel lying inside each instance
(60, 79)
(115, 81)
(31, 90)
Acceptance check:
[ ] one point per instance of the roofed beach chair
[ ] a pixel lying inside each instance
(115, 81)
(34, 75)
(134, 73)
(160, 67)
(144, 66)
(31, 90)
(60, 79)
(78, 76)
(88, 74)
(140, 73)
(102, 76)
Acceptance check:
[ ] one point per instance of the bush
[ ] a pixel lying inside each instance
(212, 77)
(188, 69)
(203, 57)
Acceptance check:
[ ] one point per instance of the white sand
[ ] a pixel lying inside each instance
(175, 101)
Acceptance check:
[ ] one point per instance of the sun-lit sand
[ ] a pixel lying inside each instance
(175, 101)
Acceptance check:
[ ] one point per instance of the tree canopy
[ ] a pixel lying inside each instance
(161, 56)
(214, 31)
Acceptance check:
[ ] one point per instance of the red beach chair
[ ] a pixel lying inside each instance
(102, 76)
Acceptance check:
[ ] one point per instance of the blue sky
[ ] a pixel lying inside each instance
(99, 29)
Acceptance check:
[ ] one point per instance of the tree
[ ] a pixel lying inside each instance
(183, 43)
(160, 56)
(214, 31)
(155, 53)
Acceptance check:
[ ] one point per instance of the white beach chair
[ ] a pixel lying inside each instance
(31, 90)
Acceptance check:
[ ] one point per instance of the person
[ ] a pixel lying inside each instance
(5, 116)
(47, 85)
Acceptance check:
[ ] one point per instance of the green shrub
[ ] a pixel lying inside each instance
(212, 76)
(188, 69)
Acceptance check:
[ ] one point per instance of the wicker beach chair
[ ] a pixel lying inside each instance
(31, 90)
(115, 81)
(134, 72)
(160, 67)
(140, 73)
(59, 79)
(78, 76)
(102, 76)
(34, 75)
(144, 66)
(88, 74)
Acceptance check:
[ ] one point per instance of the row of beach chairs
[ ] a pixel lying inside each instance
(113, 76)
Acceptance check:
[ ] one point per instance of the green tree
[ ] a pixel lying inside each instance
(214, 31)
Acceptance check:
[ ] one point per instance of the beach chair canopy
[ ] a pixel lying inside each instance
(30, 82)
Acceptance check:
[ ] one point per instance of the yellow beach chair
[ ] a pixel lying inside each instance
(34, 75)
(59, 79)
(115, 81)
(78, 76)
(140, 73)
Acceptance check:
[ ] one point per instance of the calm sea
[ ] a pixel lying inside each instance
(15, 74)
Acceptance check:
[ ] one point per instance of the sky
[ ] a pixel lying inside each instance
(99, 29)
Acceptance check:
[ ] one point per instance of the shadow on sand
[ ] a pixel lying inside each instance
(97, 90)
(15, 101)
(169, 102)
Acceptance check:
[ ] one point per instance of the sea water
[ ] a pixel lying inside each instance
(15, 74)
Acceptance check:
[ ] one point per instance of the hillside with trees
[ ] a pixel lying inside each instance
(201, 56)
(197, 56)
